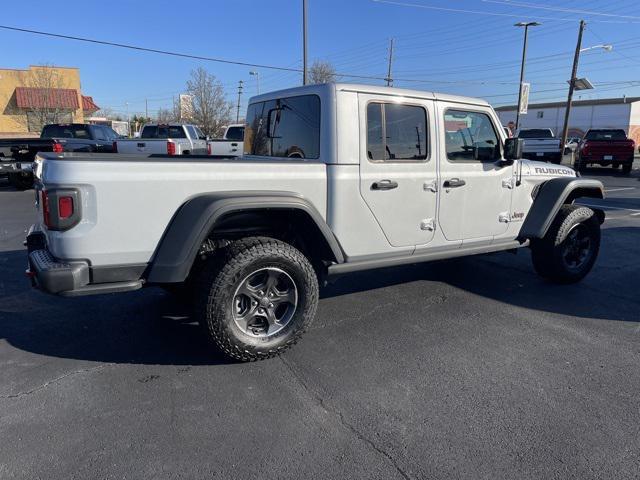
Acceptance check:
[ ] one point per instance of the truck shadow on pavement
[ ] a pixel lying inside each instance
(151, 327)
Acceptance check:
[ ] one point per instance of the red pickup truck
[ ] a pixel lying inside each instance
(606, 147)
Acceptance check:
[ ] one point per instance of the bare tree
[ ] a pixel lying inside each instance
(210, 109)
(48, 107)
(108, 113)
(167, 115)
(322, 72)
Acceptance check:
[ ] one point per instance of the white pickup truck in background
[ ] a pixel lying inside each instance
(170, 139)
(231, 144)
(540, 144)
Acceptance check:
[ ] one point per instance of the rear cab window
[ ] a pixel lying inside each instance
(605, 135)
(163, 131)
(285, 128)
(535, 133)
(235, 133)
(65, 131)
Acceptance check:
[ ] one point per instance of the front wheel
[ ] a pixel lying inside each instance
(256, 298)
(570, 248)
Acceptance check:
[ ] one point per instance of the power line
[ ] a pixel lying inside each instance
(480, 12)
(145, 49)
(557, 9)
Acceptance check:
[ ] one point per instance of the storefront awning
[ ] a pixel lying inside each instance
(62, 98)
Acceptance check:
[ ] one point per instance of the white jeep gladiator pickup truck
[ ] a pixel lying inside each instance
(230, 145)
(336, 178)
(171, 139)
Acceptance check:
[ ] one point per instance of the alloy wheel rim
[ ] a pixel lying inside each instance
(577, 248)
(264, 302)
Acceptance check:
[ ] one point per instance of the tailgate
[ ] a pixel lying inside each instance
(541, 145)
(144, 146)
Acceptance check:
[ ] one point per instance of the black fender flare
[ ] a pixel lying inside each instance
(551, 196)
(197, 217)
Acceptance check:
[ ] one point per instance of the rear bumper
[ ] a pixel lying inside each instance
(62, 277)
(615, 158)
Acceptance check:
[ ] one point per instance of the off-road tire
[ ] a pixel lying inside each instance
(221, 276)
(548, 252)
(626, 168)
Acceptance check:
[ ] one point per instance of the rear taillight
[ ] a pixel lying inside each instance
(585, 149)
(60, 208)
(65, 207)
(171, 148)
(115, 147)
(208, 149)
(57, 147)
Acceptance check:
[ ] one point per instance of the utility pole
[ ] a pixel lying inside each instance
(526, 26)
(239, 97)
(389, 79)
(146, 109)
(572, 86)
(304, 43)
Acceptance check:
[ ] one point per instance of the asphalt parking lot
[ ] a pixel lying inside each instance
(473, 368)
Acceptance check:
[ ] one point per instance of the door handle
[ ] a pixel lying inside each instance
(454, 183)
(384, 185)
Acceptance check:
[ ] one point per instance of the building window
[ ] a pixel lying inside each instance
(540, 114)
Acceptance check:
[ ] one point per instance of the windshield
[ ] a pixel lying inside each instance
(235, 133)
(65, 131)
(163, 131)
(604, 135)
(535, 133)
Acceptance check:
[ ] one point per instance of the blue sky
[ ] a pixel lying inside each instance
(467, 53)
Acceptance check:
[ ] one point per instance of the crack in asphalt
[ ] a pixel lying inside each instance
(341, 418)
(53, 381)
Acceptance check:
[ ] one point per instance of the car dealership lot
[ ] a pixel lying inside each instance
(471, 368)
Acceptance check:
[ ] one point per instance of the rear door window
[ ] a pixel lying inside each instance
(396, 132)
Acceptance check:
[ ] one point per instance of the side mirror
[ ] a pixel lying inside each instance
(513, 148)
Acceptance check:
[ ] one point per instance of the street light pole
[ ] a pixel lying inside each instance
(257, 75)
(526, 26)
(304, 42)
(572, 86)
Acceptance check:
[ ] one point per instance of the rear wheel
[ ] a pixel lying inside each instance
(256, 298)
(626, 168)
(570, 248)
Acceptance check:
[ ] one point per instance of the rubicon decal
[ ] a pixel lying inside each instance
(555, 171)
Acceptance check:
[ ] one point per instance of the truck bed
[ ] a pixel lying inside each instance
(159, 186)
